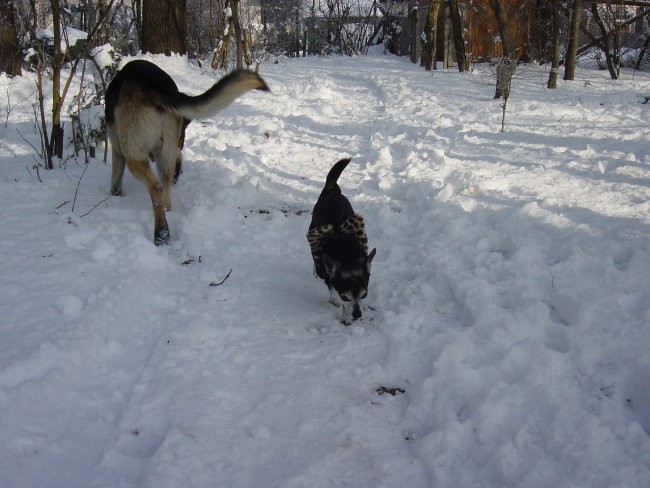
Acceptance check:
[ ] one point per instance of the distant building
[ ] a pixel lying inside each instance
(481, 33)
(528, 21)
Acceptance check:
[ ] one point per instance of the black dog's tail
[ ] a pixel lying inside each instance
(335, 172)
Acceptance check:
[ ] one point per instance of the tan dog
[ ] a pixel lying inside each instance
(146, 117)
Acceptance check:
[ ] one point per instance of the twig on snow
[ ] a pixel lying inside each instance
(96, 205)
(222, 281)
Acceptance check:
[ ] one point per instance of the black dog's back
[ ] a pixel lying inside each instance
(332, 207)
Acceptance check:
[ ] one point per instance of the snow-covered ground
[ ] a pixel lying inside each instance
(506, 339)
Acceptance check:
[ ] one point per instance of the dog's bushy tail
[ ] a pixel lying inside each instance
(217, 97)
(335, 172)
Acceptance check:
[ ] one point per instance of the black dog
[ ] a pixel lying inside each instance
(339, 246)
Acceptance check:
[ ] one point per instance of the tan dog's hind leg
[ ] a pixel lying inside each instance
(117, 174)
(142, 171)
(166, 158)
(118, 162)
(167, 177)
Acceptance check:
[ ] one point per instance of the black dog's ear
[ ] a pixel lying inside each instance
(369, 259)
(330, 264)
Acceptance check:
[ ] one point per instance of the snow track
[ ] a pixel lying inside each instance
(505, 341)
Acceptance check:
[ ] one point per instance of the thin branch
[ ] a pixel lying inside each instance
(38, 174)
(96, 205)
(598, 41)
(25, 140)
(76, 190)
(222, 281)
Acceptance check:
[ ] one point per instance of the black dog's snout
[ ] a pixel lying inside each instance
(356, 312)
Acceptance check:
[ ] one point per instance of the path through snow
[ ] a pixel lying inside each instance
(508, 310)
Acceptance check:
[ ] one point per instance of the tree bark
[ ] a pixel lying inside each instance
(10, 55)
(605, 42)
(507, 44)
(430, 41)
(642, 52)
(572, 47)
(164, 26)
(239, 41)
(503, 24)
(555, 44)
(56, 140)
(221, 58)
(459, 38)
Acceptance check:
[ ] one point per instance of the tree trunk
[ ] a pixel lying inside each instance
(555, 44)
(459, 38)
(605, 42)
(239, 41)
(221, 58)
(56, 140)
(137, 13)
(211, 27)
(10, 56)
(572, 47)
(430, 41)
(507, 44)
(164, 26)
(503, 24)
(642, 52)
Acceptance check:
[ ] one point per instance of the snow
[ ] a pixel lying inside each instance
(505, 342)
(69, 37)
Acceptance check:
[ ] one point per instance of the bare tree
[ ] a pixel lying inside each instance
(52, 67)
(572, 47)
(507, 44)
(137, 11)
(642, 52)
(608, 41)
(201, 32)
(430, 37)
(555, 44)
(459, 39)
(221, 57)
(57, 96)
(239, 38)
(614, 29)
(357, 33)
(505, 71)
(10, 55)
